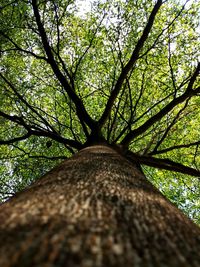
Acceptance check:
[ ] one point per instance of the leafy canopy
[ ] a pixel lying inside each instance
(73, 73)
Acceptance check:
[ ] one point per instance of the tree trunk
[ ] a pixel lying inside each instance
(95, 209)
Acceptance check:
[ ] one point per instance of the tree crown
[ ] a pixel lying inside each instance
(120, 72)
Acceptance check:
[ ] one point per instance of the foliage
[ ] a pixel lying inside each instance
(122, 72)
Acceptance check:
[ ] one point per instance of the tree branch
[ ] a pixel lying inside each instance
(38, 132)
(26, 103)
(88, 47)
(57, 138)
(165, 164)
(173, 148)
(16, 139)
(166, 28)
(141, 116)
(129, 65)
(188, 93)
(170, 126)
(14, 118)
(18, 48)
(80, 109)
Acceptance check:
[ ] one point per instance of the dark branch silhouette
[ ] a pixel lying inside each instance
(165, 164)
(33, 130)
(165, 150)
(130, 64)
(175, 102)
(170, 126)
(13, 140)
(22, 99)
(20, 49)
(81, 111)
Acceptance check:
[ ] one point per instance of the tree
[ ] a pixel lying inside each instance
(120, 84)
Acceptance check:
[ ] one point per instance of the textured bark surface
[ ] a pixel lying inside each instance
(95, 210)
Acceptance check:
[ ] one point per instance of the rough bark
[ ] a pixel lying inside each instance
(94, 210)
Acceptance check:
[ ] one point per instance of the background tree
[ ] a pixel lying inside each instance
(117, 73)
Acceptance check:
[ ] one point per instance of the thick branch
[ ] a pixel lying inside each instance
(129, 65)
(162, 151)
(58, 138)
(165, 164)
(80, 109)
(188, 93)
(38, 132)
(165, 29)
(14, 118)
(16, 139)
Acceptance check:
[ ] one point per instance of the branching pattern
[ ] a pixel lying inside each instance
(124, 74)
